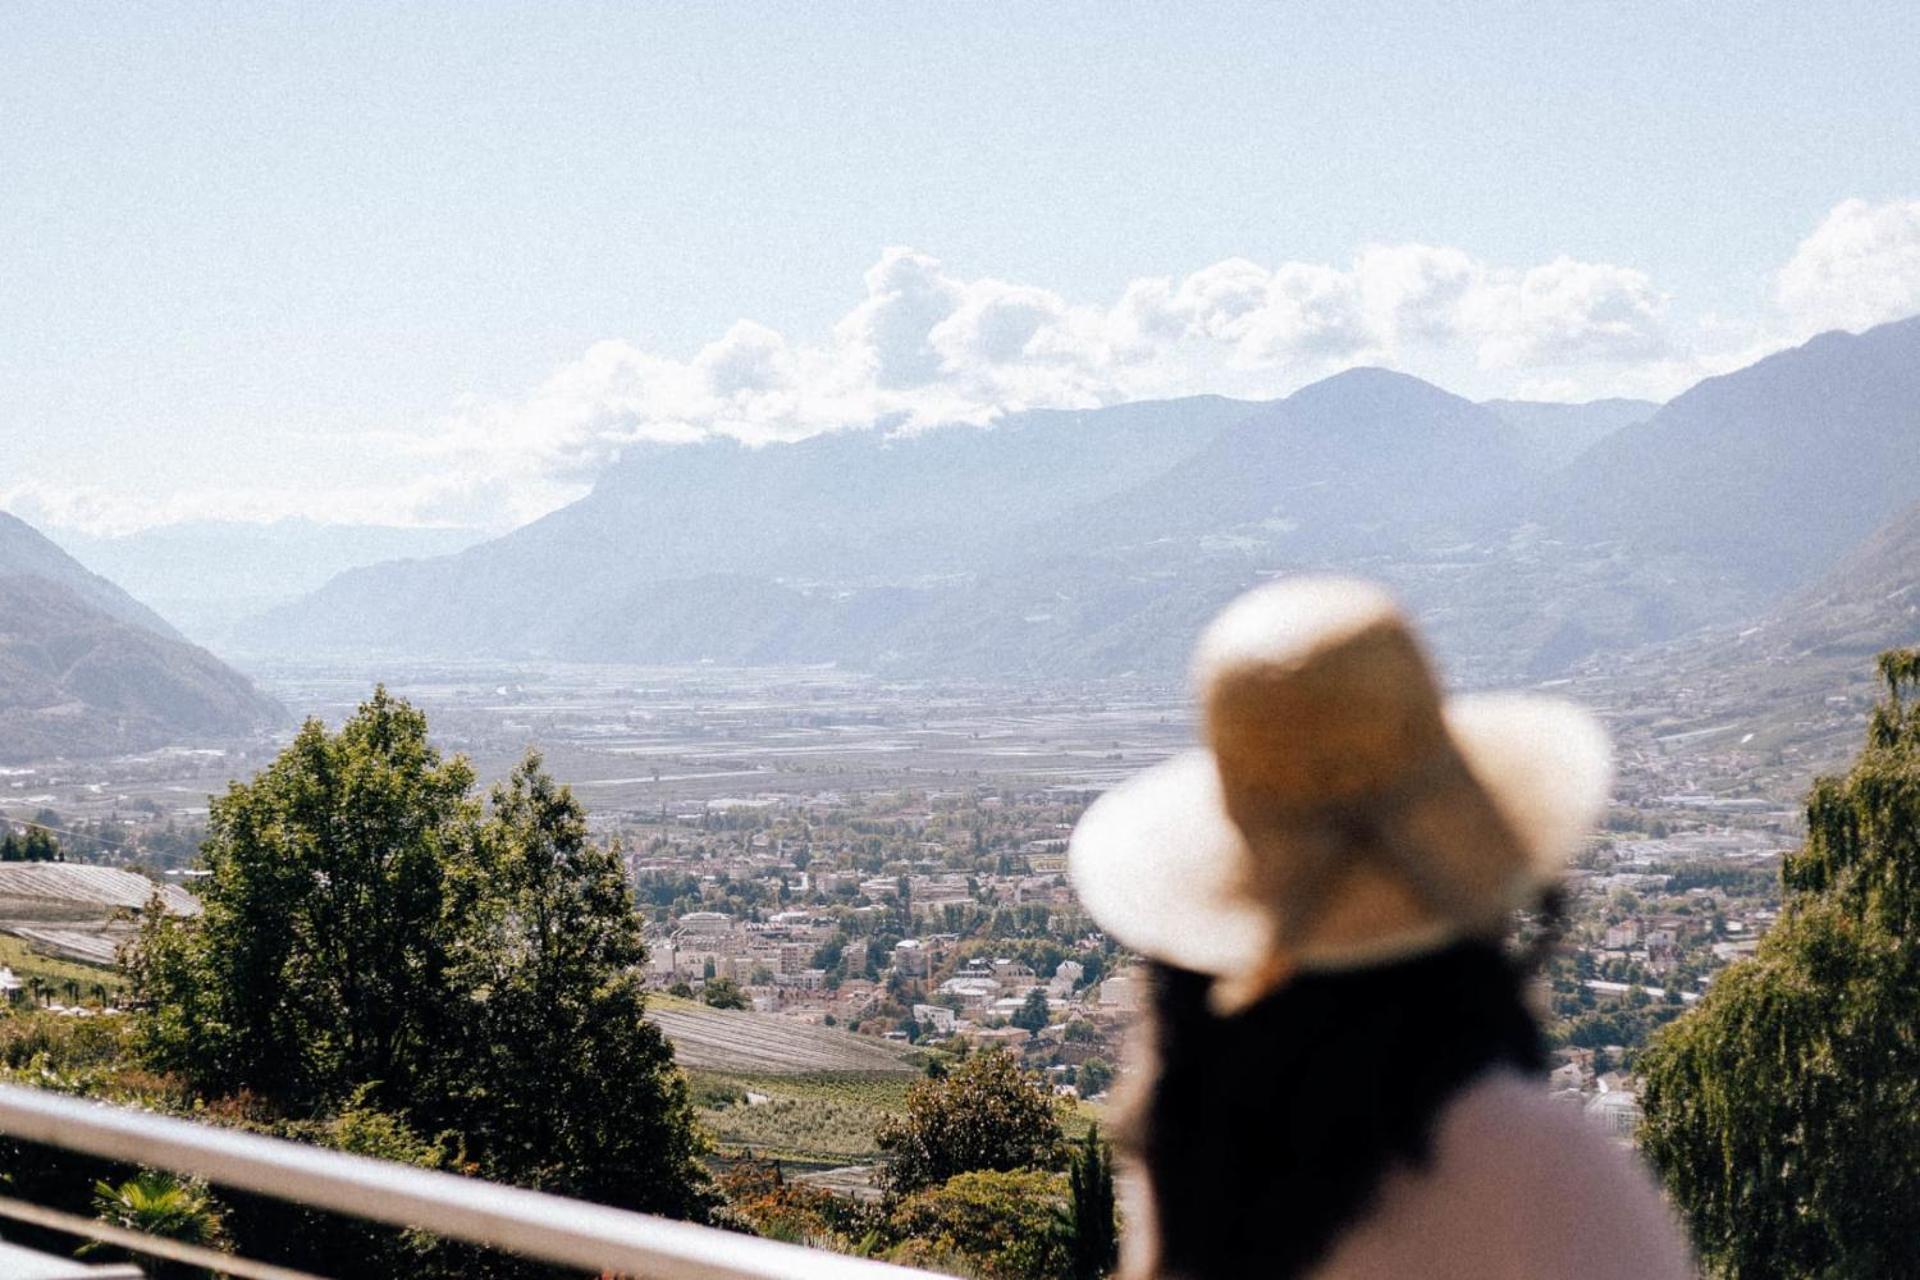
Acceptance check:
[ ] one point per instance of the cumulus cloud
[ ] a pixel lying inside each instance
(921, 345)
(1567, 313)
(924, 346)
(1859, 268)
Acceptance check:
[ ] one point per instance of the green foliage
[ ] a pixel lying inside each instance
(1093, 1228)
(723, 993)
(157, 1203)
(828, 1116)
(294, 1235)
(374, 940)
(998, 1225)
(1032, 1015)
(569, 1088)
(986, 1113)
(1784, 1110)
(39, 1042)
(321, 961)
(35, 845)
(760, 1198)
(1094, 1077)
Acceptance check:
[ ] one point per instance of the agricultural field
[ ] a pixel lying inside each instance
(735, 1040)
(823, 1119)
(79, 885)
(78, 911)
(27, 962)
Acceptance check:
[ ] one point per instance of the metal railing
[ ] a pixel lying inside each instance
(550, 1228)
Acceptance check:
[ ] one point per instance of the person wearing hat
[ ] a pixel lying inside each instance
(1338, 1050)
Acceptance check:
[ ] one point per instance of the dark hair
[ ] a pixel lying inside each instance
(1267, 1132)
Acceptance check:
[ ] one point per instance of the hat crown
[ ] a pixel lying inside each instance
(1316, 694)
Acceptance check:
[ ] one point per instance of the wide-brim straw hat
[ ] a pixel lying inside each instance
(1342, 813)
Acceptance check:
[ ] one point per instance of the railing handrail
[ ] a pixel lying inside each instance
(551, 1228)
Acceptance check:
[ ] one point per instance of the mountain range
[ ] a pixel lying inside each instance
(87, 670)
(1092, 543)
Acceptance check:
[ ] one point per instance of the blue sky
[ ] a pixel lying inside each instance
(439, 262)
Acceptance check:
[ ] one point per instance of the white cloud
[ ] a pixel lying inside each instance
(921, 345)
(1859, 268)
(924, 346)
(1567, 313)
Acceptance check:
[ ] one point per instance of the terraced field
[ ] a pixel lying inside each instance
(822, 1120)
(37, 884)
(737, 1041)
(29, 960)
(77, 911)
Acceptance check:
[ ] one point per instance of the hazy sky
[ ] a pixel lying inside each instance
(415, 262)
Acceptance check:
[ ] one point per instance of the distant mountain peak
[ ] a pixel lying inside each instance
(1772, 471)
(1371, 383)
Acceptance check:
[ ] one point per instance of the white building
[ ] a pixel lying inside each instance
(910, 957)
(705, 924)
(935, 1017)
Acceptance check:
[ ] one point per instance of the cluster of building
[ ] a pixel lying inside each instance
(979, 997)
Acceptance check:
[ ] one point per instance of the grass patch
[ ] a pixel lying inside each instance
(824, 1118)
(827, 1117)
(26, 961)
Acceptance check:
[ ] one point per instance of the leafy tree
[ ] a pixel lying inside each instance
(1784, 1109)
(567, 1087)
(321, 961)
(1093, 1230)
(1094, 1077)
(724, 993)
(374, 941)
(1033, 1014)
(36, 844)
(998, 1225)
(986, 1113)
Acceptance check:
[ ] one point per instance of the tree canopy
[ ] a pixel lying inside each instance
(986, 1113)
(35, 844)
(1032, 1015)
(374, 935)
(1094, 1230)
(1784, 1110)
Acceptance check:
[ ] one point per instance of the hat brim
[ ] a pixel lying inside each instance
(1158, 863)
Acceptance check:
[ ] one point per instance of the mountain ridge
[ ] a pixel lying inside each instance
(1066, 543)
(87, 670)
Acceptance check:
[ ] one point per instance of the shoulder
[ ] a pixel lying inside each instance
(1519, 1185)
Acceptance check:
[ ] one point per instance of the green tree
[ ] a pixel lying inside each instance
(568, 1087)
(1092, 1226)
(997, 1225)
(1784, 1109)
(1094, 1077)
(320, 963)
(986, 1113)
(723, 993)
(1033, 1014)
(376, 942)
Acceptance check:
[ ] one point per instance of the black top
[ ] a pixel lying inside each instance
(1266, 1133)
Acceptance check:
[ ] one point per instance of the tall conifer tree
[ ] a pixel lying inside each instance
(1096, 1238)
